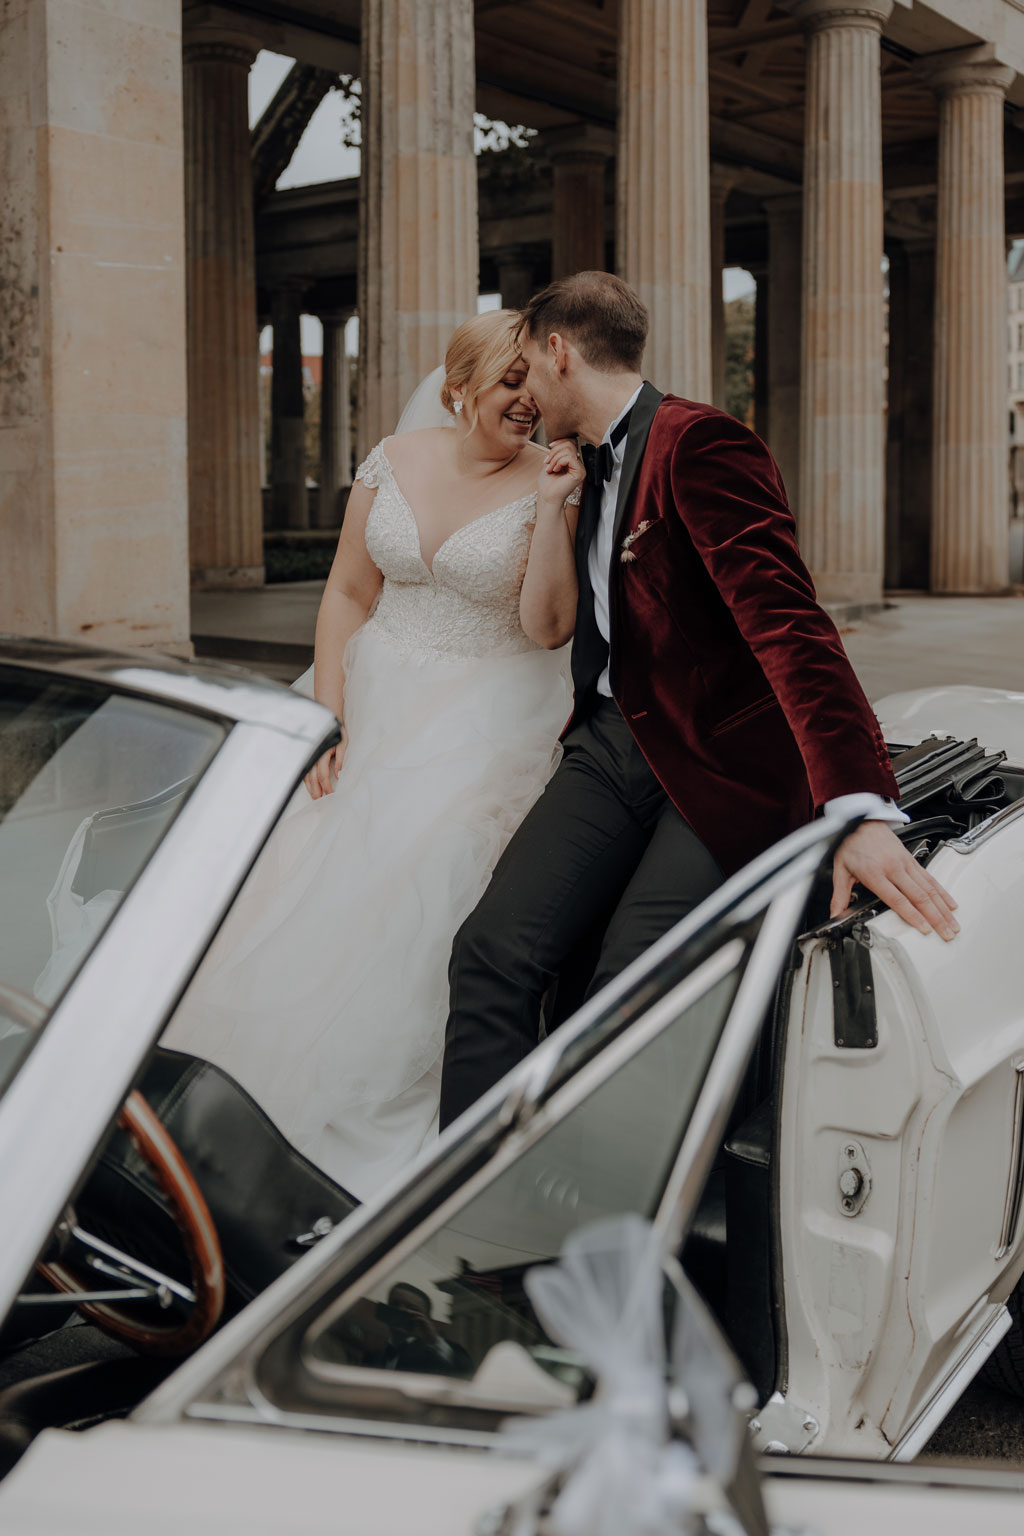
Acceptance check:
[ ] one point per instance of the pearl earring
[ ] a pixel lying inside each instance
(457, 407)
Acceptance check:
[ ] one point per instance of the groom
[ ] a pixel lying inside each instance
(715, 709)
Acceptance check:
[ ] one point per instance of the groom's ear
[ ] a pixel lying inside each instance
(559, 349)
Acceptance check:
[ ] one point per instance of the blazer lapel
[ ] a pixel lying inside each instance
(640, 421)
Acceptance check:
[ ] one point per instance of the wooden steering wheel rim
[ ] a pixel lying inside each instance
(191, 1216)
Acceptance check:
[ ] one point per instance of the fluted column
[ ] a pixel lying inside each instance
(662, 244)
(782, 324)
(225, 517)
(418, 235)
(970, 529)
(335, 418)
(842, 396)
(288, 497)
(722, 180)
(579, 156)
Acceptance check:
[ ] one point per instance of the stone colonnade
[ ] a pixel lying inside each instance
(114, 568)
(821, 322)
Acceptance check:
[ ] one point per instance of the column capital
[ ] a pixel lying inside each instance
(966, 69)
(208, 32)
(816, 15)
(334, 319)
(577, 143)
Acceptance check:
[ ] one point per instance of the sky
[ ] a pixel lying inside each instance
(321, 156)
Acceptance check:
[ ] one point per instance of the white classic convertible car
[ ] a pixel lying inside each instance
(823, 1122)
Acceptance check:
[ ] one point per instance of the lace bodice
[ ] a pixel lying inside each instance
(468, 604)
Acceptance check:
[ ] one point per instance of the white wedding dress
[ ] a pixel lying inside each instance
(326, 992)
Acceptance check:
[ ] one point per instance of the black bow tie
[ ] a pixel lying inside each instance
(599, 462)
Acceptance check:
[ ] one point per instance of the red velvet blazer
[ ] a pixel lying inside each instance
(733, 681)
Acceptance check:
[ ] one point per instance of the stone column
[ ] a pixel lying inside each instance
(515, 278)
(335, 423)
(970, 532)
(722, 180)
(225, 516)
(842, 448)
(662, 245)
(783, 322)
(908, 501)
(93, 469)
(289, 499)
(579, 155)
(418, 234)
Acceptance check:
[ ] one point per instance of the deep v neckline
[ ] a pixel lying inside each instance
(473, 521)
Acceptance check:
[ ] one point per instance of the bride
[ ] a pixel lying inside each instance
(437, 646)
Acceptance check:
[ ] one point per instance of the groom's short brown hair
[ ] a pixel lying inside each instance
(600, 315)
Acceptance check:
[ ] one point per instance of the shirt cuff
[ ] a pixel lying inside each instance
(887, 810)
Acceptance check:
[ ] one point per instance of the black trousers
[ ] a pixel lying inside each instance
(603, 837)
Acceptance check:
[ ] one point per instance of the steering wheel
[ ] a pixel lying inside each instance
(195, 1226)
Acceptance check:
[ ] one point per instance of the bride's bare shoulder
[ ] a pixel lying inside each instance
(417, 446)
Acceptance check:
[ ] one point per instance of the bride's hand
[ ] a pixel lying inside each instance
(562, 472)
(321, 778)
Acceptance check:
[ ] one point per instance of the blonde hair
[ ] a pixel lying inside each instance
(479, 355)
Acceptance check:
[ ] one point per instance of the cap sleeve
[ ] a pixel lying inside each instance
(369, 470)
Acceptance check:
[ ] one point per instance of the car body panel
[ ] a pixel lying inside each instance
(994, 715)
(882, 1304)
(122, 1479)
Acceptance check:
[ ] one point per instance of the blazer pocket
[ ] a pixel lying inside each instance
(641, 540)
(741, 716)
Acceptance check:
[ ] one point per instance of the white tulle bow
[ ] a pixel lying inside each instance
(622, 1473)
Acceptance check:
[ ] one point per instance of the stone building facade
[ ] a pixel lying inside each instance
(142, 247)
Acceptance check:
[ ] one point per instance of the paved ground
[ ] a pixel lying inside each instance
(919, 641)
(916, 642)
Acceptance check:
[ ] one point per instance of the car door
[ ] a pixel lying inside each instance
(409, 1325)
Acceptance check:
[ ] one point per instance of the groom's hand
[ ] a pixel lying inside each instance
(874, 856)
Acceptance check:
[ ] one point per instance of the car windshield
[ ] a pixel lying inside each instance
(90, 780)
(443, 1307)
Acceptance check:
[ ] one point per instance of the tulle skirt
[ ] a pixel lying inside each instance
(325, 994)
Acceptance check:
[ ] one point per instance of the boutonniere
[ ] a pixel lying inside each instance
(630, 539)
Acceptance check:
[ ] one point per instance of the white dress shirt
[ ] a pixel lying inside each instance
(599, 565)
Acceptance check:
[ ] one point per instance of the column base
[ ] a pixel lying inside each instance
(228, 577)
(1003, 591)
(852, 588)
